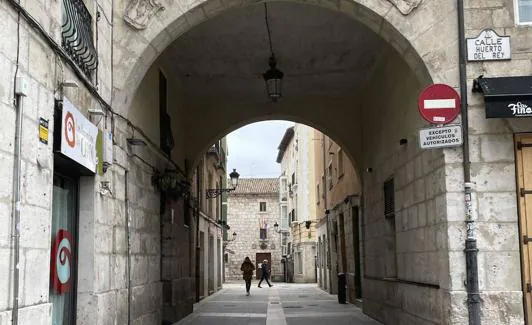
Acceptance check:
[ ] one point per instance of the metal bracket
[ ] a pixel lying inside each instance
(526, 239)
(524, 192)
(520, 145)
(214, 192)
(528, 287)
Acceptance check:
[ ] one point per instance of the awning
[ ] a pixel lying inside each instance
(506, 97)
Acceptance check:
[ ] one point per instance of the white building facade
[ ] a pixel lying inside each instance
(298, 202)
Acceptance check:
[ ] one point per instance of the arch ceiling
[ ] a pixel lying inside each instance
(327, 56)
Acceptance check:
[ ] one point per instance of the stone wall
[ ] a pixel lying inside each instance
(243, 218)
(493, 174)
(404, 257)
(112, 226)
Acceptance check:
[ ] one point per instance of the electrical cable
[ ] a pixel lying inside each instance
(104, 15)
(88, 84)
(268, 28)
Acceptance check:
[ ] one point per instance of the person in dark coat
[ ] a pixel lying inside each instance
(247, 269)
(265, 273)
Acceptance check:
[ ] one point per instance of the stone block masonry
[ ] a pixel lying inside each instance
(243, 217)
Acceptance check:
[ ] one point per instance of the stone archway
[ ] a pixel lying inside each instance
(370, 125)
(414, 28)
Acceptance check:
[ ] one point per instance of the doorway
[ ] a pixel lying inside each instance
(523, 155)
(259, 257)
(356, 251)
(63, 258)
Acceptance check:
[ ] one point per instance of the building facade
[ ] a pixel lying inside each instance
(210, 174)
(252, 213)
(73, 69)
(340, 226)
(297, 202)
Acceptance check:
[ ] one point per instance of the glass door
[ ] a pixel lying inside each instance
(63, 258)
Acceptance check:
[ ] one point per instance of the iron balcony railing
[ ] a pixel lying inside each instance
(77, 37)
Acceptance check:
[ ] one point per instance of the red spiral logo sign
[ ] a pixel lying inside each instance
(61, 262)
(70, 130)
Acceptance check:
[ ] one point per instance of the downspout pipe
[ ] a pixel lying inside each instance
(16, 207)
(198, 247)
(128, 234)
(327, 244)
(471, 250)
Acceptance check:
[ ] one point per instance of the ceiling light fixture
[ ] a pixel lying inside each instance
(273, 76)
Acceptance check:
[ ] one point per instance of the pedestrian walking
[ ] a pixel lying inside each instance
(265, 273)
(247, 269)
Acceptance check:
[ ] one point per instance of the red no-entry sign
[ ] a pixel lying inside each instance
(439, 104)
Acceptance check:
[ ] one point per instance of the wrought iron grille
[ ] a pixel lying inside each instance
(389, 198)
(77, 37)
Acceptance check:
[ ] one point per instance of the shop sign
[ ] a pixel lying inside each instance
(440, 137)
(489, 46)
(61, 262)
(511, 108)
(78, 137)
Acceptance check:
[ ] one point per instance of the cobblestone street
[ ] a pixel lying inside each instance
(282, 304)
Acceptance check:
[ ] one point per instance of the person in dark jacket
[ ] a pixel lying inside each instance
(265, 273)
(247, 269)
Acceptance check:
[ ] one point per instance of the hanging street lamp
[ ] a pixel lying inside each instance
(273, 76)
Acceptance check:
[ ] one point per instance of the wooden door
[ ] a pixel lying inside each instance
(258, 262)
(523, 155)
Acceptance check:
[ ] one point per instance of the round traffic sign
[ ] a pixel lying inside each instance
(439, 104)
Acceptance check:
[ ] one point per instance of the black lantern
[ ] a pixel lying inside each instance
(234, 178)
(273, 78)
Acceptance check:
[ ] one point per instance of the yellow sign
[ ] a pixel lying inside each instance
(43, 131)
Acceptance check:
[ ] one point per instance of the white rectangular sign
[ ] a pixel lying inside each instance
(489, 46)
(78, 137)
(439, 103)
(439, 137)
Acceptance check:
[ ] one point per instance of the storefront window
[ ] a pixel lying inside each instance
(524, 11)
(63, 255)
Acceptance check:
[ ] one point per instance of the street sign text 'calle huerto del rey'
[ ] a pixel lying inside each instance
(488, 46)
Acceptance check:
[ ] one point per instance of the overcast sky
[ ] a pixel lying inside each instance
(253, 149)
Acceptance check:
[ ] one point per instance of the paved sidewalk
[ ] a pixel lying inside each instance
(283, 304)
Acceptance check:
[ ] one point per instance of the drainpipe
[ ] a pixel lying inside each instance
(471, 250)
(128, 234)
(327, 246)
(197, 212)
(16, 206)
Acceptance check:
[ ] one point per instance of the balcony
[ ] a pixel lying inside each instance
(77, 36)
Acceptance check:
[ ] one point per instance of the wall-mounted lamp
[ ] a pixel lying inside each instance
(232, 238)
(214, 192)
(308, 223)
(276, 227)
(172, 183)
(403, 141)
(369, 169)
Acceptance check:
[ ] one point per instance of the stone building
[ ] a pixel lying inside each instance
(211, 175)
(340, 224)
(252, 210)
(298, 208)
(353, 69)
